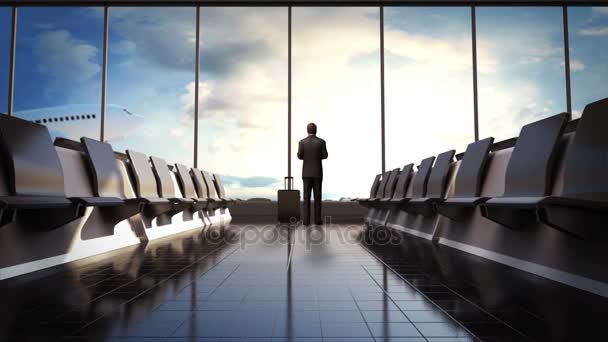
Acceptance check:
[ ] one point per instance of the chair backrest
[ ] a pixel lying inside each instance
(531, 166)
(439, 175)
(163, 177)
(472, 166)
(30, 159)
(210, 185)
(375, 185)
(107, 178)
(403, 181)
(219, 185)
(145, 181)
(199, 182)
(185, 181)
(382, 187)
(390, 184)
(586, 160)
(422, 177)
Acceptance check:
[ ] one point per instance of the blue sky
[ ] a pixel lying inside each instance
(243, 80)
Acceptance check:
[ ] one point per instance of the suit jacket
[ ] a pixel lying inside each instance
(312, 150)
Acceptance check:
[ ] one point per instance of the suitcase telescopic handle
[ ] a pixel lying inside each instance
(288, 183)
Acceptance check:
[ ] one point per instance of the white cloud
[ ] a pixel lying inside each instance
(575, 65)
(594, 31)
(123, 47)
(163, 37)
(65, 58)
(336, 79)
(600, 10)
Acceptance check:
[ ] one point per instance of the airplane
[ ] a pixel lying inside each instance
(82, 120)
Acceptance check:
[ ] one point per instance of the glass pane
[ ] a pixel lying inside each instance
(58, 69)
(521, 67)
(588, 30)
(243, 98)
(5, 49)
(429, 83)
(336, 84)
(150, 81)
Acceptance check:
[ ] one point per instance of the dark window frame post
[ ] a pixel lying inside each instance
(382, 119)
(197, 61)
(104, 73)
(475, 91)
(11, 73)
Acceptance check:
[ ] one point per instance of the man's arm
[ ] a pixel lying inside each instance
(300, 152)
(323, 151)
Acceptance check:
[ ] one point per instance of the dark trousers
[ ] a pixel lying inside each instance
(309, 185)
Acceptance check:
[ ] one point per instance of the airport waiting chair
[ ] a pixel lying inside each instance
(213, 197)
(468, 182)
(436, 186)
(107, 183)
(373, 190)
(379, 194)
(389, 189)
(528, 174)
(33, 177)
(582, 208)
(376, 189)
(418, 186)
(184, 179)
(146, 187)
(166, 188)
(403, 182)
(221, 190)
(202, 190)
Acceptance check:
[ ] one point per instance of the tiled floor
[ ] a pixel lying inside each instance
(268, 283)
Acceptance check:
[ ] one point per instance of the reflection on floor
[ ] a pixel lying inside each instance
(262, 283)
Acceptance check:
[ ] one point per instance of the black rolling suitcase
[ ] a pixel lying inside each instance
(288, 203)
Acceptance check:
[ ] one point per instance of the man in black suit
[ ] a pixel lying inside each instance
(312, 151)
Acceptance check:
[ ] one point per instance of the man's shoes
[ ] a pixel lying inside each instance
(306, 223)
(318, 223)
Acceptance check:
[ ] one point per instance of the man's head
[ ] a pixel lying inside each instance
(311, 128)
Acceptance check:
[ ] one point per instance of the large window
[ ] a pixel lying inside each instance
(336, 84)
(243, 98)
(521, 67)
(429, 82)
(5, 47)
(588, 29)
(58, 69)
(150, 81)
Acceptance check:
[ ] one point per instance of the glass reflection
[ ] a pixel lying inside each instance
(58, 69)
(429, 83)
(336, 78)
(588, 31)
(520, 67)
(150, 77)
(5, 48)
(243, 98)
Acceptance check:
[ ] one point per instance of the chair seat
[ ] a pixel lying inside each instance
(464, 201)
(181, 200)
(99, 201)
(514, 202)
(423, 200)
(575, 201)
(155, 200)
(399, 200)
(33, 202)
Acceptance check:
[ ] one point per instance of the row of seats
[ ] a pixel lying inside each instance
(581, 210)
(34, 178)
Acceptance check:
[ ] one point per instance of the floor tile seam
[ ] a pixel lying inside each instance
(158, 284)
(363, 316)
(407, 282)
(499, 320)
